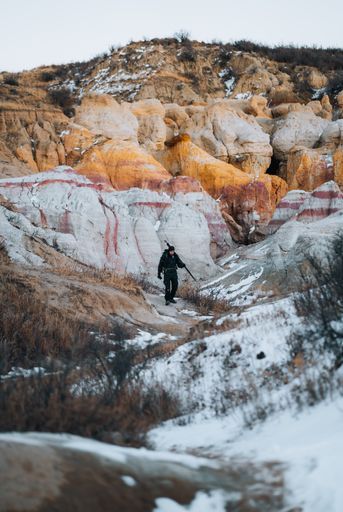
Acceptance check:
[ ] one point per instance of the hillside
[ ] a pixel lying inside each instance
(230, 398)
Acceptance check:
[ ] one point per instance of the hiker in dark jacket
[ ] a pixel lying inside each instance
(168, 264)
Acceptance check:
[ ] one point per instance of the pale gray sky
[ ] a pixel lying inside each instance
(36, 32)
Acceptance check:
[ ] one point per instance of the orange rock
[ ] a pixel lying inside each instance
(32, 135)
(10, 166)
(327, 107)
(258, 107)
(24, 154)
(122, 165)
(78, 139)
(247, 199)
(338, 166)
(307, 169)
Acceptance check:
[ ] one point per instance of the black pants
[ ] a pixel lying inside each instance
(171, 284)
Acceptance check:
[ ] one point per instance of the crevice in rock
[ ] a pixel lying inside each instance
(274, 168)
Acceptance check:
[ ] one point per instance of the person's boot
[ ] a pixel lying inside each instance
(167, 302)
(173, 301)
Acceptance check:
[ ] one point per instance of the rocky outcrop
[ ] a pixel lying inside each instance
(33, 136)
(66, 472)
(77, 140)
(10, 166)
(102, 115)
(302, 128)
(307, 169)
(310, 168)
(245, 200)
(124, 230)
(229, 135)
(307, 206)
(152, 129)
(122, 165)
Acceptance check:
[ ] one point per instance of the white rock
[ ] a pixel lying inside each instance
(296, 129)
(123, 230)
(102, 115)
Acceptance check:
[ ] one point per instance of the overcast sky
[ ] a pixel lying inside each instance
(37, 32)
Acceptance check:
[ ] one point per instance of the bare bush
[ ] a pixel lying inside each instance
(206, 302)
(47, 76)
(335, 84)
(33, 333)
(48, 403)
(320, 305)
(182, 36)
(63, 98)
(11, 80)
(188, 54)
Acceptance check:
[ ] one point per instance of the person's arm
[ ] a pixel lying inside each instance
(179, 262)
(160, 266)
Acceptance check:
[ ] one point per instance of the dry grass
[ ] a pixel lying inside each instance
(124, 282)
(34, 333)
(206, 303)
(47, 404)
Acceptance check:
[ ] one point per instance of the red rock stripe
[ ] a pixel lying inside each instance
(30, 184)
(115, 233)
(326, 194)
(150, 204)
(292, 206)
(277, 222)
(318, 212)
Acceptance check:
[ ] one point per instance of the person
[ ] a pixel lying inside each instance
(168, 264)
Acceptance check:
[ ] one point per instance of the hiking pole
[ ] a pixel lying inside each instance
(189, 272)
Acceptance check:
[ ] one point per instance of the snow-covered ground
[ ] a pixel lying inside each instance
(310, 445)
(204, 371)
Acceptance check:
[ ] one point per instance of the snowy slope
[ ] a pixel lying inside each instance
(310, 445)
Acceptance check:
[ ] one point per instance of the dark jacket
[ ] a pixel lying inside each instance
(169, 263)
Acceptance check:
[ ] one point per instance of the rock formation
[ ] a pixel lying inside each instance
(245, 199)
(229, 135)
(307, 206)
(257, 128)
(98, 226)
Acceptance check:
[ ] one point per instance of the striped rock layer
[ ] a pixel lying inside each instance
(98, 226)
(307, 206)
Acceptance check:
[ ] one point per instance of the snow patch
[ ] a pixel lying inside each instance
(214, 501)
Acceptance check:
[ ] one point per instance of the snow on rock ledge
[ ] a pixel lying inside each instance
(95, 225)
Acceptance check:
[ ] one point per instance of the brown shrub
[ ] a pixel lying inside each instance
(206, 303)
(32, 332)
(63, 98)
(126, 282)
(46, 403)
(11, 79)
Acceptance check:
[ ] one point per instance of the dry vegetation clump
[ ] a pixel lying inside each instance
(34, 333)
(115, 412)
(87, 382)
(11, 79)
(320, 305)
(207, 302)
(125, 282)
(63, 98)
(143, 281)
